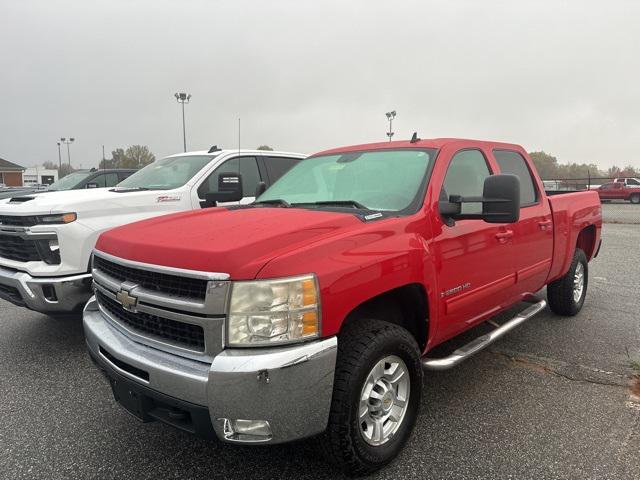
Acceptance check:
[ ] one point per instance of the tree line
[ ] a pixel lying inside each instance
(549, 169)
(135, 156)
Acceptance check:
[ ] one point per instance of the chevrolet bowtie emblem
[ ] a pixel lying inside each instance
(128, 302)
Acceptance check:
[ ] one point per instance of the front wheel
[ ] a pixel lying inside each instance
(566, 295)
(635, 198)
(376, 396)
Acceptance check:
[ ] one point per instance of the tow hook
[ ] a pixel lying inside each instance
(263, 375)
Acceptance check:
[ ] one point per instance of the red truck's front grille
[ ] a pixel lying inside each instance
(159, 282)
(177, 333)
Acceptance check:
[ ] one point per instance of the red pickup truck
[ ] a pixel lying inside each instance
(314, 310)
(618, 191)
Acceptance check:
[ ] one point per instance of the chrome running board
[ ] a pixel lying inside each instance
(484, 341)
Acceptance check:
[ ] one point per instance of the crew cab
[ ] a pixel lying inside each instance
(628, 182)
(315, 309)
(618, 191)
(46, 240)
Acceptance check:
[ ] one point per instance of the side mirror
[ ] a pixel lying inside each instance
(500, 202)
(229, 190)
(502, 199)
(260, 188)
(92, 185)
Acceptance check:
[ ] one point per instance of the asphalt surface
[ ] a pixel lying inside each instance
(551, 400)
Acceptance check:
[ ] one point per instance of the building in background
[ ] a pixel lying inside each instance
(10, 173)
(39, 175)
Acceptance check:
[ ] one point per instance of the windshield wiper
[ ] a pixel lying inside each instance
(336, 203)
(276, 201)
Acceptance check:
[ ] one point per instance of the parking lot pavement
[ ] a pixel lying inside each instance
(551, 400)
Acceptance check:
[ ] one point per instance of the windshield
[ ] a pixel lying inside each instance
(384, 180)
(166, 174)
(69, 181)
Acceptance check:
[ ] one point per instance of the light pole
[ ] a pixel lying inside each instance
(67, 143)
(390, 116)
(183, 98)
(59, 158)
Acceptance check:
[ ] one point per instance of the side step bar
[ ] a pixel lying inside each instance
(484, 341)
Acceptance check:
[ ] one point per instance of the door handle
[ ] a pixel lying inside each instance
(545, 224)
(504, 236)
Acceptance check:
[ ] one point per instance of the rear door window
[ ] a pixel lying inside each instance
(513, 163)
(111, 180)
(278, 166)
(123, 175)
(246, 166)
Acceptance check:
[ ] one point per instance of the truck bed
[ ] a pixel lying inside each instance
(572, 213)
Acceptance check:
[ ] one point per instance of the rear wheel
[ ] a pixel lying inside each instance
(566, 295)
(377, 391)
(635, 198)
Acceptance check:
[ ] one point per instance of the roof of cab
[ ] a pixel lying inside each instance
(242, 151)
(426, 143)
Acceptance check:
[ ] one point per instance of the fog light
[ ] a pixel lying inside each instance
(247, 430)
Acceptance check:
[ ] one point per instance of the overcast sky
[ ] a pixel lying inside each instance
(309, 75)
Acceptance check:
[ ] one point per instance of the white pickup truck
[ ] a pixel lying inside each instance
(46, 240)
(628, 182)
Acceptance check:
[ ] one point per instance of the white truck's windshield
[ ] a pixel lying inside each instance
(166, 174)
(383, 180)
(69, 181)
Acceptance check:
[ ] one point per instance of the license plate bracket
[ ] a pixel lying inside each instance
(132, 399)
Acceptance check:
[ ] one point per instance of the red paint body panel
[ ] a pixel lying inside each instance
(238, 242)
(356, 261)
(572, 213)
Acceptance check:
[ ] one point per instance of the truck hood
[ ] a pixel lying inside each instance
(83, 202)
(237, 241)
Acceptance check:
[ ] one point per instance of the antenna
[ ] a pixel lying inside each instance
(238, 137)
(414, 138)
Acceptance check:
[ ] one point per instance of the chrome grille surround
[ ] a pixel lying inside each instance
(208, 313)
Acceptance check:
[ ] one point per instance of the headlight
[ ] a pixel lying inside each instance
(267, 312)
(57, 218)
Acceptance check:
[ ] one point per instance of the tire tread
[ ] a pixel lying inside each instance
(358, 337)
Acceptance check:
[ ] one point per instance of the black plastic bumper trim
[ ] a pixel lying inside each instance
(148, 405)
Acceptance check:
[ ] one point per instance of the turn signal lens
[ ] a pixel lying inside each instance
(310, 324)
(69, 217)
(309, 294)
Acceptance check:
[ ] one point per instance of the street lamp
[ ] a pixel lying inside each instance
(67, 143)
(390, 116)
(59, 158)
(183, 98)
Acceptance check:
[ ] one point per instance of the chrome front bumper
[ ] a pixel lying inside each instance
(289, 387)
(46, 295)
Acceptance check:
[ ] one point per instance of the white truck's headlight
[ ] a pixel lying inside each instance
(57, 218)
(267, 312)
